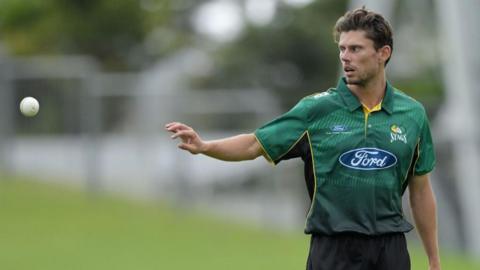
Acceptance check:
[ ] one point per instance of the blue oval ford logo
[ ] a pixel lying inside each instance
(368, 159)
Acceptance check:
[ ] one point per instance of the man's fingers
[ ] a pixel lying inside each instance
(185, 135)
(187, 147)
(174, 126)
(169, 125)
(182, 134)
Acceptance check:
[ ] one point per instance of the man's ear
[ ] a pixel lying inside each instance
(385, 52)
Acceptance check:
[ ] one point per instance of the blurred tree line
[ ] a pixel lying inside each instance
(111, 31)
(293, 56)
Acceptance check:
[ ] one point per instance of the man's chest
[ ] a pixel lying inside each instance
(376, 141)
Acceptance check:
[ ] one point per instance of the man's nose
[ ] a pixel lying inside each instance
(345, 56)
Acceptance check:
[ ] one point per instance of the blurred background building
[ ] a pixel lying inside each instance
(109, 74)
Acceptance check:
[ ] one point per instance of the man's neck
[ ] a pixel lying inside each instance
(372, 93)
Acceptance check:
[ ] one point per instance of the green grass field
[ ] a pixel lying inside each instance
(50, 227)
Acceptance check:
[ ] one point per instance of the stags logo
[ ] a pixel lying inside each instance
(397, 133)
(368, 159)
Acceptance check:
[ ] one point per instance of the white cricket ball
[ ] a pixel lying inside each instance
(29, 106)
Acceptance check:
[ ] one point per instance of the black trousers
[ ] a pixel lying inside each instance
(358, 252)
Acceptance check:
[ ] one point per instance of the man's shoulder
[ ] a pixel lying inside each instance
(320, 100)
(321, 97)
(319, 104)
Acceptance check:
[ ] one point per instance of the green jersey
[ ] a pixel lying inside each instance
(357, 162)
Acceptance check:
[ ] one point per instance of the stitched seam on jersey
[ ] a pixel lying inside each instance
(314, 180)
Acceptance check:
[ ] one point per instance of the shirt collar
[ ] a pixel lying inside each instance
(353, 103)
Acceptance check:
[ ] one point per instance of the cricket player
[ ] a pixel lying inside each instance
(363, 143)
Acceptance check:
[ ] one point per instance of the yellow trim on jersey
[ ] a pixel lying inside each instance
(264, 152)
(418, 156)
(269, 158)
(367, 111)
(293, 145)
(413, 163)
(376, 108)
(314, 180)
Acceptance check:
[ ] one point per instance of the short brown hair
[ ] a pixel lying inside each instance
(375, 26)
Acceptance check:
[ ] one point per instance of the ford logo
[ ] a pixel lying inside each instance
(368, 159)
(338, 128)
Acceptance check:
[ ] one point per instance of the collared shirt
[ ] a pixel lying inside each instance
(357, 164)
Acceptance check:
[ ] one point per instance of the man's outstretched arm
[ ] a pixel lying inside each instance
(424, 210)
(236, 148)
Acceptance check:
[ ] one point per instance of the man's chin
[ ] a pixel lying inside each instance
(353, 81)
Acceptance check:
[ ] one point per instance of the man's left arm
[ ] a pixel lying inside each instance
(424, 210)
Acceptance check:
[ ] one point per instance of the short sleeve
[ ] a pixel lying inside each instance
(283, 133)
(426, 154)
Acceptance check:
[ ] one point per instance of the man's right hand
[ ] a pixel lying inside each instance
(191, 141)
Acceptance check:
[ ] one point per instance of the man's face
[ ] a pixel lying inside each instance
(360, 60)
